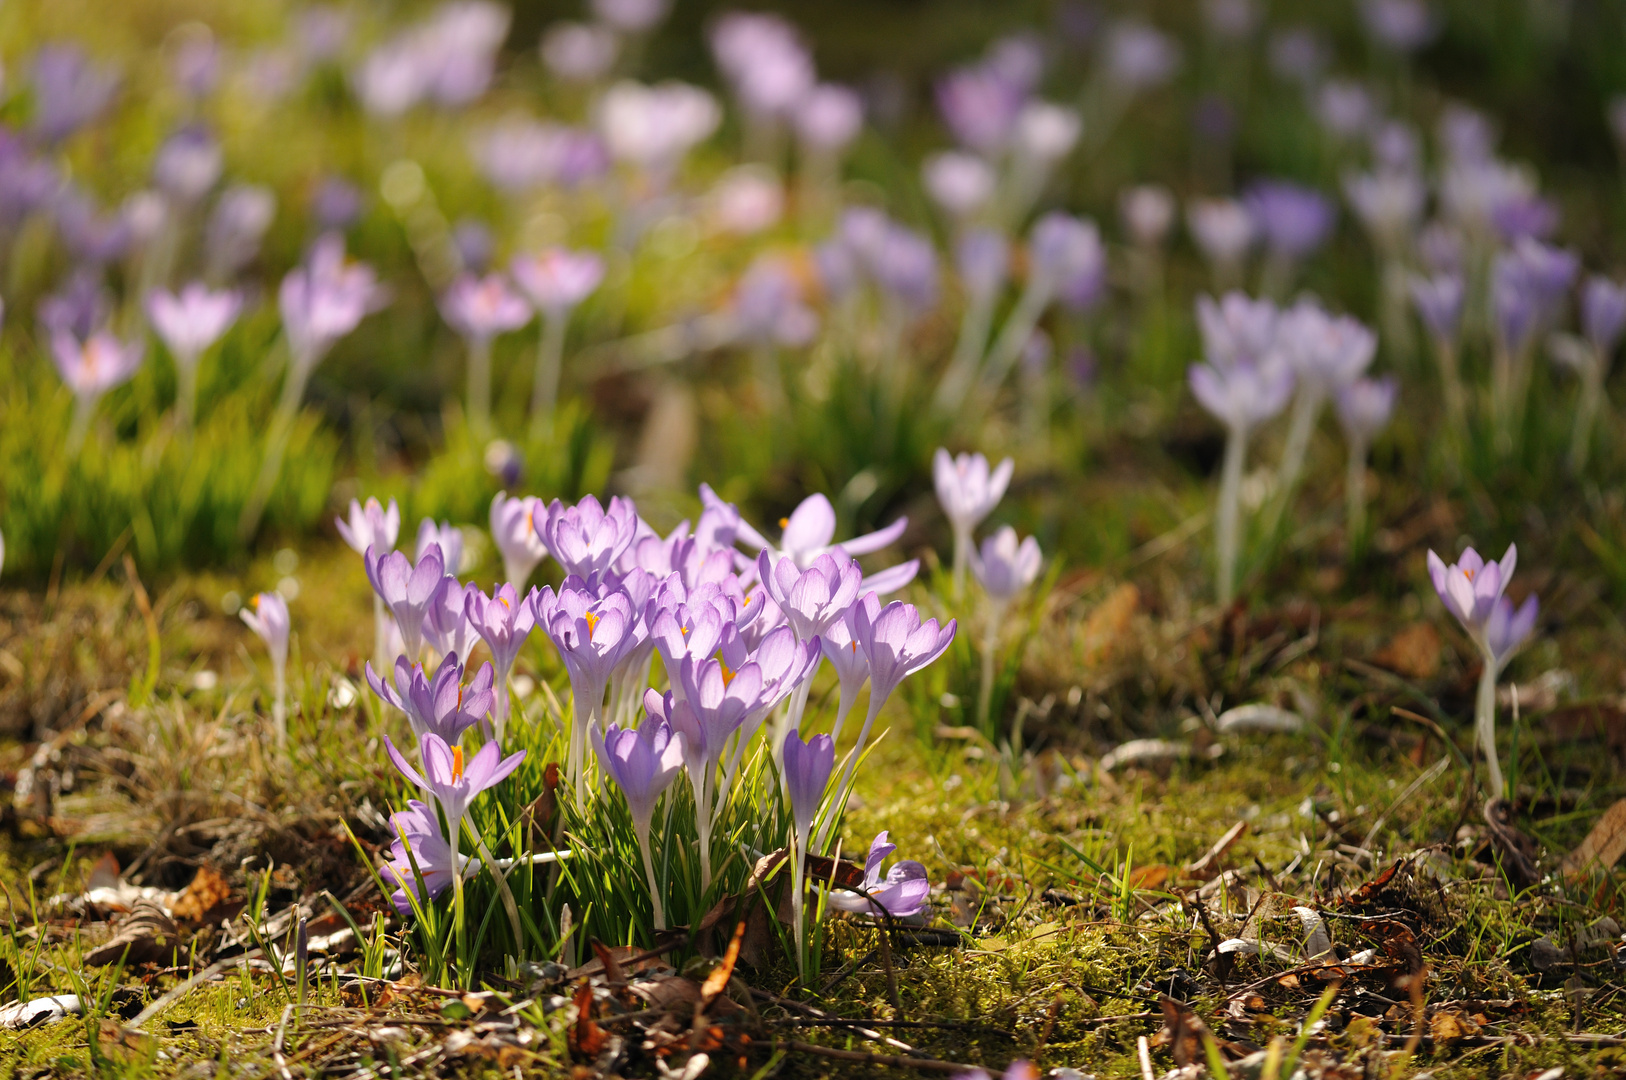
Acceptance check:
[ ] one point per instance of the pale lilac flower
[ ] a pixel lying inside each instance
(980, 106)
(654, 126)
(188, 165)
(1066, 251)
(242, 215)
(418, 843)
(1603, 314)
(1326, 352)
(746, 200)
(838, 646)
(480, 309)
(474, 244)
(443, 536)
(1296, 54)
(763, 59)
(371, 526)
(1472, 589)
(579, 52)
(1344, 108)
(1472, 191)
(982, 256)
(446, 624)
(1389, 203)
(441, 704)
(897, 643)
(95, 365)
(1403, 25)
(517, 153)
(503, 622)
(1294, 220)
(515, 530)
(768, 306)
(813, 598)
(69, 90)
(80, 307)
(1140, 57)
(406, 588)
(959, 182)
(1223, 230)
(445, 775)
(1005, 567)
(558, 279)
(1148, 213)
(1438, 300)
(810, 531)
(631, 16)
(901, 895)
(192, 320)
(1245, 394)
(594, 633)
(905, 267)
(1046, 132)
(643, 763)
(195, 65)
(586, 539)
(1018, 59)
(829, 117)
(325, 300)
(967, 490)
(92, 236)
(1364, 407)
(1233, 20)
(807, 768)
(1236, 329)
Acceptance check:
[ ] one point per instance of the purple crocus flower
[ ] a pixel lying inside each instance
(982, 256)
(959, 182)
(188, 164)
(1297, 55)
(829, 118)
(446, 625)
(1389, 203)
(480, 309)
(69, 90)
(336, 203)
(1140, 57)
(440, 704)
(406, 588)
(1402, 25)
(503, 622)
(1223, 230)
(95, 365)
(474, 244)
(445, 775)
(238, 224)
(897, 644)
(558, 279)
(1344, 108)
(325, 300)
(1293, 219)
(980, 106)
(1364, 407)
(642, 762)
(810, 530)
(768, 307)
(418, 843)
(1438, 300)
(717, 701)
(91, 236)
(1148, 213)
(1325, 351)
(370, 526)
(967, 489)
(594, 634)
(1236, 329)
(1066, 253)
(586, 539)
(1244, 394)
(901, 895)
(514, 531)
(838, 646)
(80, 307)
(1471, 587)
(812, 598)
(764, 60)
(1005, 567)
(193, 319)
(1603, 314)
(654, 126)
(807, 773)
(579, 52)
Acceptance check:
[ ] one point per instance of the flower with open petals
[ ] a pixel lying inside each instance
(371, 526)
(443, 535)
(1005, 567)
(897, 644)
(810, 531)
(503, 622)
(901, 894)
(586, 539)
(325, 300)
(558, 279)
(515, 530)
(193, 319)
(418, 843)
(95, 365)
(1364, 407)
(593, 633)
(446, 776)
(441, 704)
(446, 624)
(1472, 589)
(480, 308)
(267, 615)
(813, 598)
(1244, 395)
(966, 488)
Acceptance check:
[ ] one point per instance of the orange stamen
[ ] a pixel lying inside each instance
(592, 623)
(457, 763)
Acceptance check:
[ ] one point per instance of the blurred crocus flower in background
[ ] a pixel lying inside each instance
(768, 310)
(579, 52)
(70, 90)
(1293, 220)
(1603, 319)
(1364, 407)
(1065, 256)
(370, 525)
(1471, 589)
(1140, 57)
(1345, 108)
(188, 164)
(267, 615)
(479, 309)
(653, 127)
(91, 367)
(829, 118)
(556, 281)
(515, 530)
(961, 183)
(237, 226)
(632, 16)
(770, 70)
(746, 200)
(1148, 214)
(189, 322)
(323, 301)
(1402, 25)
(980, 105)
(1224, 232)
(445, 536)
(968, 491)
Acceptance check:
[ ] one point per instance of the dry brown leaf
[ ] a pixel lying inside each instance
(1101, 632)
(205, 899)
(145, 936)
(1150, 877)
(717, 981)
(1603, 846)
(1413, 652)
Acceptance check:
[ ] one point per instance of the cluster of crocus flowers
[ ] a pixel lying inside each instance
(1472, 590)
(739, 642)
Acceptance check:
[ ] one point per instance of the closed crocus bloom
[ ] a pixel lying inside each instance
(1402, 25)
(586, 539)
(840, 647)
(267, 615)
(1005, 567)
(406, 588)
(814, 598)
(558, 279)
(1364, 407)
(1294, 220)
(515, 530)
(1237, 328)
(1063, 247)
(481, 308)
(631, 16)
(967, 490)
(959, 182)
(982, 256)
(900, 894)
(642, 762)
(193, 319)
(1325, 351)
(1438, 300)
(829, 117)
(1603, 314)
(371, 525)
(979, 105)
(1244, 395)
(444, 536)
(324, 300)
(1470, 587)
(446, 625)
(1140, 57)
(806, 770)
(1389, 202)
(1148, 213)
(1223, 230)
(1047, 132)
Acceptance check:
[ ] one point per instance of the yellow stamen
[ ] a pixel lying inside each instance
(457, 763)
(592, 623)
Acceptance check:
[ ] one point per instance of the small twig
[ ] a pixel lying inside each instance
(1144, 1050)
(866, 1058)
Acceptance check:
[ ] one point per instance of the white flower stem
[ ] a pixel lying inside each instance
(1018, 328)
(962, 368)
(1355, 495)
(84, 406)
(1586, 412)
(545, 385)
(642, 829)
(962, 559)
(186, 392)
(1227, 522)
(381, 637)
(499, 719)
(845, 783)
(1306, 408)
(1485, 725)
(279, 705)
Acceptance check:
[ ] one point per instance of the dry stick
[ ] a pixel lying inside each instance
(1144, 1050)
(866, 1058)
(808, 1010)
